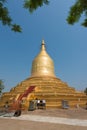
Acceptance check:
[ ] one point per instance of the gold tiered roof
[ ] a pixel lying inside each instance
(42, 64)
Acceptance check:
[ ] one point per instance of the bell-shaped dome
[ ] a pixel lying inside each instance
(42, 65)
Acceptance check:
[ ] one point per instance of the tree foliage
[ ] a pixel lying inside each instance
(32, 5)
(76, 11)
(5, 17)
(1, 86)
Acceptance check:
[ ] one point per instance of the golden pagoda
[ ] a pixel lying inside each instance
(43, 84)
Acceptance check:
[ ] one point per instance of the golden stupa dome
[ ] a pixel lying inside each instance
(42, 65)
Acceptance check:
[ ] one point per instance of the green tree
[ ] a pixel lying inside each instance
(5, 18)
(76, 11)
(79, 8)
(85, 91)
(1, 86)
(32, 5)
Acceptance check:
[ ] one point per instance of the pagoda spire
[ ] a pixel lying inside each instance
(43, 45)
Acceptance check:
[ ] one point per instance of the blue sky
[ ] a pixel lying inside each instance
(64, 43)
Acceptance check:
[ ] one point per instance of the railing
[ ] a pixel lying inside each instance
(29, 90)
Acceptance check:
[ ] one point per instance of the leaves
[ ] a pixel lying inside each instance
(76, 11)
(85, 23)
(6, 19)
(16, 28)
(32, 5)
(4, 15)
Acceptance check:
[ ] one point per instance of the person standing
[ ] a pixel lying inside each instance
(44, 103)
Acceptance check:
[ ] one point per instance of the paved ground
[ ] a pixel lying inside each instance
(50, 119)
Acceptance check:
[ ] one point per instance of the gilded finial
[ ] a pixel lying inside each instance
(43, 45)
